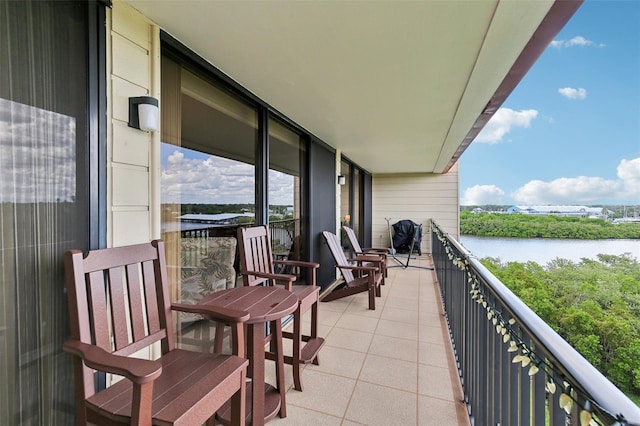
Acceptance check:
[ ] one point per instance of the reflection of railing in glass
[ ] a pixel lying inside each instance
(210, 231)
(283, 234)
(283, 237)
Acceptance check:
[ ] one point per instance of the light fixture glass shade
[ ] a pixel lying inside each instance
(341, 180)
(148, 117)
(144, 113)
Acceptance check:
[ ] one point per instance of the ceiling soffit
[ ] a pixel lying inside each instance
(398, 87)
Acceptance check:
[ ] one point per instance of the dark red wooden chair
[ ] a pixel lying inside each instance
(119, 305)
(367, 251)
(368, 277)
(257, 267)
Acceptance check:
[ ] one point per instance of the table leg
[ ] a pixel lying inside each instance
(277, 327)
(256, 366)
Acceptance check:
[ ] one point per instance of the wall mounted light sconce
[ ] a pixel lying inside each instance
(341, 180)
(144, 113)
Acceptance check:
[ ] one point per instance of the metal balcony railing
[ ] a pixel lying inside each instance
(515, 369)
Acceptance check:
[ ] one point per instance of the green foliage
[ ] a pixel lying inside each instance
(593, 304)
(528, 226)
(615, 211)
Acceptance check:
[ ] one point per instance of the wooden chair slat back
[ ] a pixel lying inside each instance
(96, 295)
(118, 305)
(135, 301)
(338, 255)
(151, 296)
(353, 240)
(118, 299)
(255, 245)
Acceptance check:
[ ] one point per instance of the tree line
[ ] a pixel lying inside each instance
(593, 304)
(528, 226)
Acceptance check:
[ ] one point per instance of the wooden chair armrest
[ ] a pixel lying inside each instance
(368, 258)
(360, 268)
(215, 314)
(297, 263)
(286, 278)
(382, 250)
(137, 370)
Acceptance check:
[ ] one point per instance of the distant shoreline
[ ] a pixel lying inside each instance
(539, 226)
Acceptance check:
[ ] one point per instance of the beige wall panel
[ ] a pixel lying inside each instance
(121, 91)
(416, 197)
(130, 186)
(130, 61)
(130, 146)
(131, 73)
(132, 227)
(130, 24)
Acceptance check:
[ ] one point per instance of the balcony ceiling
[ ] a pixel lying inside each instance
(398, 87)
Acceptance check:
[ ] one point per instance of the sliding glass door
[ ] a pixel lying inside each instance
(208, 157)
(287, 177)
(45, 147)
(226, 162)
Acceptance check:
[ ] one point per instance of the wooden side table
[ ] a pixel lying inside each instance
(264, 304)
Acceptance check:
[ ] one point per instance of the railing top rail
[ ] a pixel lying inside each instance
(573, 365)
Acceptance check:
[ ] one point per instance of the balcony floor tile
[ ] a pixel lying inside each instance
(391, 366)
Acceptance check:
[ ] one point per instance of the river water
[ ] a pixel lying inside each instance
(543, 250)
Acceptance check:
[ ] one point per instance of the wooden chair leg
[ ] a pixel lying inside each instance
(372, 293)
(314, 326)
(238, 404)
(141, 405)
(297, 348)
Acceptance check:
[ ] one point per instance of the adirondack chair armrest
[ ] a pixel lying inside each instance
(360, 268)
(215, 314)
(374, 253)
(297, 263)
(381, 250)
(286, 278)
(368, 258)
(137, 370)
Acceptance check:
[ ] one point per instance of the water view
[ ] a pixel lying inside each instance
(542, 250)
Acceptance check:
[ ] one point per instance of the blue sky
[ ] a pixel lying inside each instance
(570, 132)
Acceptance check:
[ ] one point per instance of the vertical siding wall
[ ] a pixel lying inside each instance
(417, 197)
(131, 72)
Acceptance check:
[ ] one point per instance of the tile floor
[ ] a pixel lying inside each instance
(391, 366)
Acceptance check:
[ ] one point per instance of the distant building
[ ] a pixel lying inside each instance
(192, 222)
(218, 219)
(576, 211)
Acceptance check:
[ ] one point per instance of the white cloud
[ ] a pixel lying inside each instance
(479, 195)
(572, 93)
(217, 180)
(502, 122)
(579, 41)
(629, 174)
(584, 189)
(575, 41)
